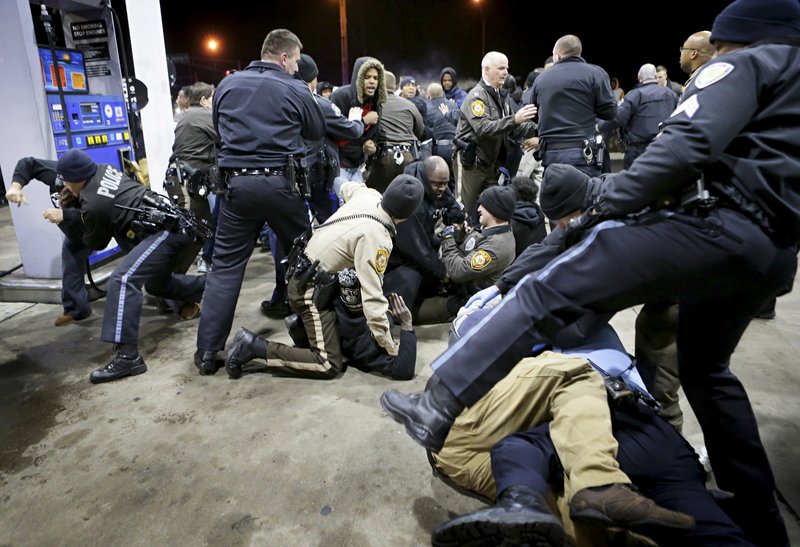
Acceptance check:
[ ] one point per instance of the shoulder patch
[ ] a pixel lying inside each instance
(470, 244)
(712, 73)
(478, 108)
(336, 109)
(480, 260)
(381, 261)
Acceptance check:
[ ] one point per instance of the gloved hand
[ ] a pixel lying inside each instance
(355, 114)
(482, 297)
(578, 226)
(448, 231)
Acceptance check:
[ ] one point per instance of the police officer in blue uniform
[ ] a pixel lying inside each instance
(571, 95)
(109, 205)
(732, 221)
(262, 115)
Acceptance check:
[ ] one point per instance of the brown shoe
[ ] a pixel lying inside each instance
(65, 319)
(620, 505)
(190, 310)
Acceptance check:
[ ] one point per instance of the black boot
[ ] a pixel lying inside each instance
(120, 366)
(297, 330)
(206, 362)
(246, 347)
(520, 517)
(427, 417)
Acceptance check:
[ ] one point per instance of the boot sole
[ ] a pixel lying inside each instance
(135, 371)
(591, 517)
(418, 432)
(510, 530)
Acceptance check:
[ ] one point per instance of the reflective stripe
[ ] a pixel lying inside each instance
(126, 275)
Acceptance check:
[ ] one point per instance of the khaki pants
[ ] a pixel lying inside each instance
(324, 356)
(551, 387)
(471, 182)
(385, 169)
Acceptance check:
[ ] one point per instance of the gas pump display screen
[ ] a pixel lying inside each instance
(71, 70)
(90, 114)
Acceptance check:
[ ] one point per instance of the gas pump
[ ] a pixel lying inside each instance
(64, 90)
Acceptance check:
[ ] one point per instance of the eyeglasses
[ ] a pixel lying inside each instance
(681, 49)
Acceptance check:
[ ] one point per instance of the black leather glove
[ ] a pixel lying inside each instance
(578, 226)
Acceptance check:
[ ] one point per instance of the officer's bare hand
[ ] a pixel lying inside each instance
(355, 114)
(369, 147)
(53, 215)
(525, 113)
(15, 195)
(370, 118)
(443, 109)
(530, 144)
(399, 310)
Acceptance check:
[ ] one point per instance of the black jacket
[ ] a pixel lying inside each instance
(527, 223)
(641, 112)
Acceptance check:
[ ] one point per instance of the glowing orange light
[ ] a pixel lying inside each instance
(212, 44)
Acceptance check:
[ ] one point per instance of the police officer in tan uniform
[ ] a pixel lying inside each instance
(486, 121)
(359, 235)
(479, 261)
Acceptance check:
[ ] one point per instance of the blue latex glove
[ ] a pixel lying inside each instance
(448, 231)
(480, 298)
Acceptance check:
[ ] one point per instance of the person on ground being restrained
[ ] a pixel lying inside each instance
(358, 235)
(262, 114)
(96, 192)
(359, 348)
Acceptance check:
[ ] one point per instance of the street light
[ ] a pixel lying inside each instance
(343, 32)
(212, 44)
(483, 27)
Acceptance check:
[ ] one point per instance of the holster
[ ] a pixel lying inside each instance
(469, 155)
(326, 290)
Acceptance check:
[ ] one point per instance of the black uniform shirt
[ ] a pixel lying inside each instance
(101, 219)
(571, 95)
(262, 115)
(641, 112)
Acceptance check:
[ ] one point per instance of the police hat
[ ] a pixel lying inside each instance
(76, 166)
(402, 197)
(748, 21)
(500, 201)
(563, 190)
(307, 68)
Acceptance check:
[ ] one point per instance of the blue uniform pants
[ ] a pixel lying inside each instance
(656, 458)
(251, 201)
(149, 264)
(721, 268)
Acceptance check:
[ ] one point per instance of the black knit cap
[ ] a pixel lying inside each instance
(563, 190)
(407, 80)
(500, 201)
(748, 21)
(402, 197)
(307, 68)
(76, 166)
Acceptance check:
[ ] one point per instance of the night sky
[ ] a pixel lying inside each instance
(419, 37)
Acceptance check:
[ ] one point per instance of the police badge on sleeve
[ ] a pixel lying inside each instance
(478, 108)
(381, 261)
(480, 260)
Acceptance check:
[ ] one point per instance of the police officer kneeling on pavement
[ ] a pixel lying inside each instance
(359, 235)
(151, 230)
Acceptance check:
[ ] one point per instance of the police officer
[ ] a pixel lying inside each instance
(98, 191)
(571, 95)
(641, 112)
(323, 154)
(358, 235)
(740, 229)
(478, 261)
(262, 115)
(486, 121)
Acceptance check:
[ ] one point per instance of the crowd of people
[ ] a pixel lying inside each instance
(392, 204)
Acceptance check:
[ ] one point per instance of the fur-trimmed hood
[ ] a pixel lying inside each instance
(359, 81)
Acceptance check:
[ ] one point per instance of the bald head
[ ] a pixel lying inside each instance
(567, 46)
(435, 91)
(696, 51)
(438, 174)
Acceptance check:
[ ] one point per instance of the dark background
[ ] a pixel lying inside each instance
(419, 37)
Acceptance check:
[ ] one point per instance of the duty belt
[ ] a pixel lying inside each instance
(264, 171)
(561, 145)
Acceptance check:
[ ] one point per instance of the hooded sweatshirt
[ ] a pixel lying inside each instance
(527, 223)
(455, 93)
(346, 97)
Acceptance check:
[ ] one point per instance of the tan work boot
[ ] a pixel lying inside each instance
(620, 505)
